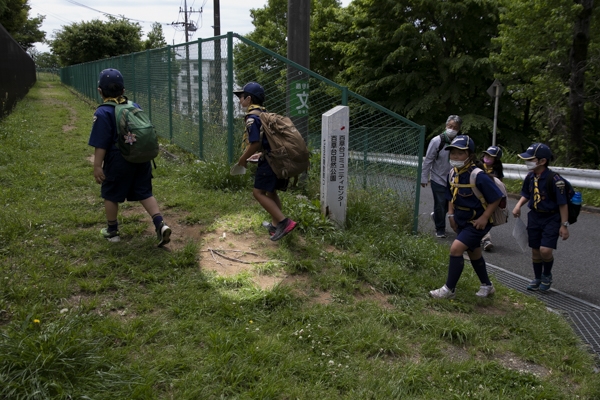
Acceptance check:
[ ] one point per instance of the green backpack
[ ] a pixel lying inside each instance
(137, 138)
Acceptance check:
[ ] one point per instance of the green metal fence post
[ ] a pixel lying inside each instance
(229, 96)
(418, 180)
(149, 80)
(169, 105)
(200, 105)
(134, 78)
(345, 96)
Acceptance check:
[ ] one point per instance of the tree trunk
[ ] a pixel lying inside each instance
(578, 60)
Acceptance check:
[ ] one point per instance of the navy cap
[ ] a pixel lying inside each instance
(494, 151)
(109, 76)
(462, 142)
(537, 150)
(252, 88)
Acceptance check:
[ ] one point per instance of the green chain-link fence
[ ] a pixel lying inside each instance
(187, 91)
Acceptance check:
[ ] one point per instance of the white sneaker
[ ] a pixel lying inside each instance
(442, 293)
(485, 291)
(487, 245)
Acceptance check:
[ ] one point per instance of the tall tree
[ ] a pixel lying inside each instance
(95, 40)
(424, 59)
(156, 38)
(543, 58)
(14, 17)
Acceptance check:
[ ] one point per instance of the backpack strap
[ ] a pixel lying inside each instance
(477, 192)
(442, 144)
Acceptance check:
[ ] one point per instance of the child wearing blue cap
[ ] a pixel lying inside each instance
(491, 163)
(468, 217)
(548, 217)
(120, 179)
(266, 183)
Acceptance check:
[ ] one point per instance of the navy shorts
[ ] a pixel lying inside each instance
(543, 229)
(125, 180)
(471, 236)
(265, 179)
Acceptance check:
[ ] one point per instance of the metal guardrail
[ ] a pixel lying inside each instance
(581, 178)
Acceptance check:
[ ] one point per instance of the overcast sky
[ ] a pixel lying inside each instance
(235, 15)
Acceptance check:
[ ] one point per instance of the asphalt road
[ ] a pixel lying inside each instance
(576, 268)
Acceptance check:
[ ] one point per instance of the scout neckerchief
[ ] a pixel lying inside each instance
(489, 169)
(536, 192)
(249, 121)
(455, 184)
(118, 100)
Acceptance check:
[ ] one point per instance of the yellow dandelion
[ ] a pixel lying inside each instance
(251, 321)
(36, 321)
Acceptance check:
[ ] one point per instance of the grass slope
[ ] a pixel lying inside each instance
(84, 318)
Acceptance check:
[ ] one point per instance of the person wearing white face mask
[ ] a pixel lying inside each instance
(435, 170)
(491, 163)
(468, 217)
(548, 217)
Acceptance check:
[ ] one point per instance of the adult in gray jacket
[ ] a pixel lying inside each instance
(436, 168)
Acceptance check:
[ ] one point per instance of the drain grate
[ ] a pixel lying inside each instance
(584, 316)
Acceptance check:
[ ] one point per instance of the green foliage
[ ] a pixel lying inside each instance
(350, 318)
(14, 17)
(94, 40)
(156, 38)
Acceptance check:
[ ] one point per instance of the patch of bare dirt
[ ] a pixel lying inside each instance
(511, 361)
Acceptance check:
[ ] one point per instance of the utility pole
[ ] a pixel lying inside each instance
(298, 51)
(217, 89)
(188, 27)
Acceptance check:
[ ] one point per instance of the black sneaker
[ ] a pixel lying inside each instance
(283, 228)
(111, 236)
(269, 226)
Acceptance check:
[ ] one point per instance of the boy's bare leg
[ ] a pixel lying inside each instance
(271, 203)
(111, 209)
(151, 205)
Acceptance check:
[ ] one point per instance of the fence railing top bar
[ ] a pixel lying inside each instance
(289, 62)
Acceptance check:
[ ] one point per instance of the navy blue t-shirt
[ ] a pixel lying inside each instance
(104, 128)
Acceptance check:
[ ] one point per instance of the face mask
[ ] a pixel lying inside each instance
(488, 160)
(457, 164)
(451, 133)
(530, 165)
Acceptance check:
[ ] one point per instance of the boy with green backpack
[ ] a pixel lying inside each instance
(121, 166)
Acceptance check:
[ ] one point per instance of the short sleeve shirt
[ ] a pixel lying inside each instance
(547, 203)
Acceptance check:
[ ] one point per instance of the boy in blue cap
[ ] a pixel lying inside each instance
(120, 179)
(548, 217)
(468, 217)
(266, 183)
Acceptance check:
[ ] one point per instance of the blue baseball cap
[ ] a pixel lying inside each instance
(252, 88)
(109, 76)
(494, 151)
(537, 150)
(462, 142)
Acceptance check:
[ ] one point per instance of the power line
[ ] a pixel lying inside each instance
(112, 15)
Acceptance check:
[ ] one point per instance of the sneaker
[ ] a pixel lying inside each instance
(163, 234)
(442, 293)
(485, 291)
(487, 245)
(269, 226)
(546, 282)
(112, 236)
(283, 228)
(534, 284)
(440, 234)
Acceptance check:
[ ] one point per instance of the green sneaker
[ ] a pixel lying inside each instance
(163, 234)
(112, 236)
